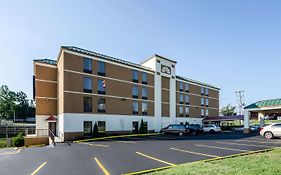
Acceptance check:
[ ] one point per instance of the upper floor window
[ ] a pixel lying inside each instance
(186, 99)
(87, 104)
(202, 101)
(181, 111)
(135, 107)
(101, 105)
(186, 87)
(101, 68)
(135, 91)
(101, 86)
(88, 84)
(87, 65)
(181, 98)
(144, 77)
(207, 112)
(202, 112)
(202, 90)
(187, 111)
(206, 91)
(181, 86)
(207, 102)
(144, 93)
(135, 76)
(144, 108)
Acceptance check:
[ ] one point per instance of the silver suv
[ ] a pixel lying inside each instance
(271, 131)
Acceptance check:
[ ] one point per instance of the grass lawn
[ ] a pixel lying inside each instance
(262, 163)
(266, 121)
(2, 142)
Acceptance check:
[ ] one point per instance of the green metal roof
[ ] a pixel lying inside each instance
(264, 103)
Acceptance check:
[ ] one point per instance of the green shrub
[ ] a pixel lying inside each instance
(143, 128)
(18, 141)
(96, 130)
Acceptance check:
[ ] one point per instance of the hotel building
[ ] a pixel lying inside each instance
(83, 87)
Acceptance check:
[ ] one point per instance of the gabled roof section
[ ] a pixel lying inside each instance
(105, 57)
(46, 61)
(196, 82)
(265, 103)
(156, 55)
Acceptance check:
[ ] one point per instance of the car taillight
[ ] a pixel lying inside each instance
(261, 129)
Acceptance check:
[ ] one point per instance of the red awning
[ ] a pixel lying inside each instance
(51, 119)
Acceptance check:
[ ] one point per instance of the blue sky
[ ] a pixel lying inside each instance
(234, 44)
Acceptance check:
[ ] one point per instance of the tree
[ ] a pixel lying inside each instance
(228, 110)
(7, 102)
(143, 127)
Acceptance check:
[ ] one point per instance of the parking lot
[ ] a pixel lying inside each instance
(128, 154)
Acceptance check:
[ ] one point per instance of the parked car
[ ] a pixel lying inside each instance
(175, 129)
(211, 128)
(271, 131)
(252, 128)
(194, 129)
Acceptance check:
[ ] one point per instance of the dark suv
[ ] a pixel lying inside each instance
(175, 129)
(194, 129)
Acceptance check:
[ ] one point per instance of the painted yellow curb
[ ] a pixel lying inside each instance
(149, 170)
(118, 136)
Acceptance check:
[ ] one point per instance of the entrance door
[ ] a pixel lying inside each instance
(53, 127)
(135, 127)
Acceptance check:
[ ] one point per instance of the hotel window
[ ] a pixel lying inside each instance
(186, 99)
(186, 87)
(88, 65)
(181, 86)
(101, 68)
(202, 112)
(88, 84)
(202, 90)
(181, 111)
(181, 98)
(135, 107)
(207, 102)
(187, 111)
(101, 86)
(101, 126)
(135, 76)
(101, 105)
(135, 91)
(144, 93)
(144, 77)
(87, 104)
(206, 91)
(144, 108)
(207, 112)
(202, 101)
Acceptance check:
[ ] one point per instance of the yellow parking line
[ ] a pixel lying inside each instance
(243, 144)
(216, 147)
(191, 152)
(153, 158)
(253, 141)
(102, 167)
(96, 145)
(38, 169)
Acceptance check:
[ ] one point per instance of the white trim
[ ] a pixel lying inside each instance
(103, 77)
(107, 61)
(178, 104)
(111, 96)
(48, 81)
(183, 92)
(197, 84)
(165, 89)
(45, 64)
(47, 98)
(166, 103)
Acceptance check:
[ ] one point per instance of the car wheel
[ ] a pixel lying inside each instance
(163, 133)
(268, 135)
(180, 134)
(212, 131)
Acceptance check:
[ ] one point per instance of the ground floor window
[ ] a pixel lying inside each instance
(101, 126)
(87, 128)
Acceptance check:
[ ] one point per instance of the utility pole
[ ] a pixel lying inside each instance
(240, 101)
